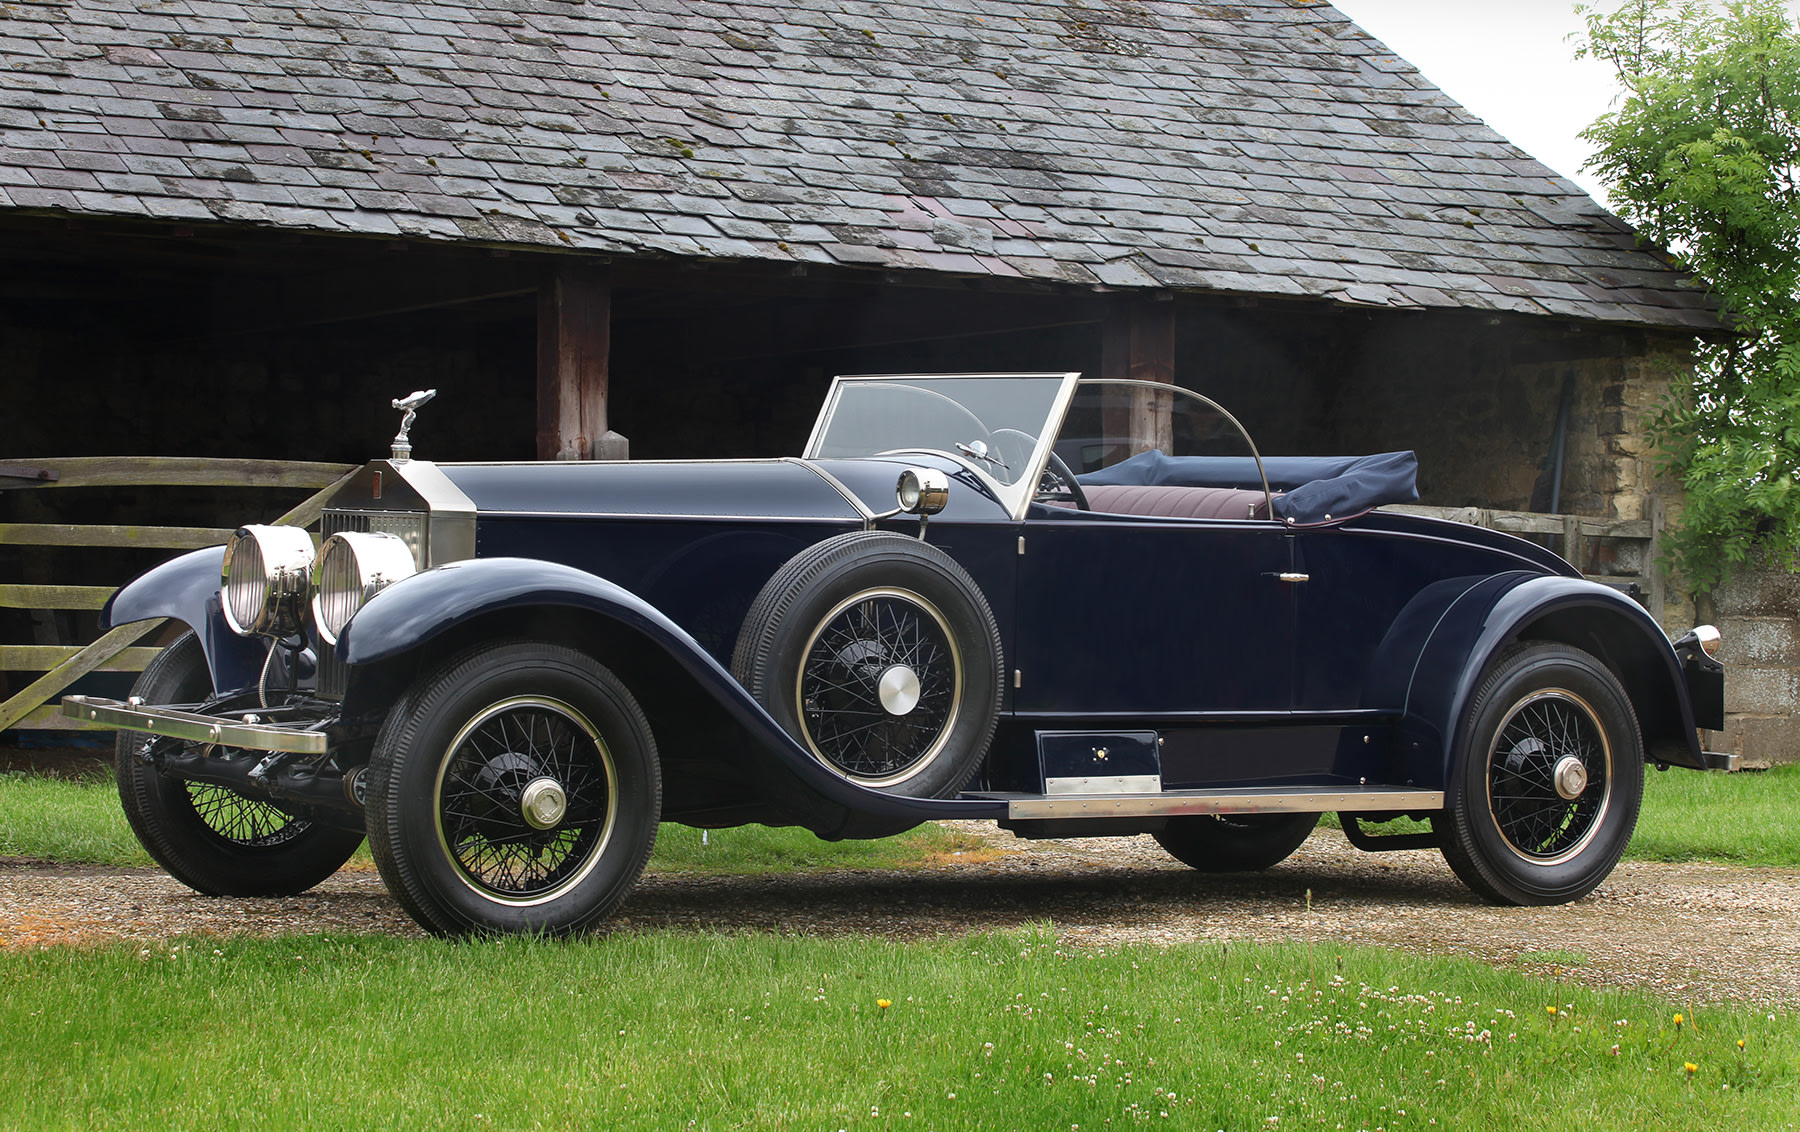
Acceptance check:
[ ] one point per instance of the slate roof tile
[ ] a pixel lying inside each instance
(1306, 157)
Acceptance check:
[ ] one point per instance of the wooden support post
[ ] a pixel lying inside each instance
(574, 348)
(1574, 548)
(1137, 343)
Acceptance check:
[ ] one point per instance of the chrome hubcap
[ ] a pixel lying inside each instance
(898, 689)
(543, 803)
(1571, 777)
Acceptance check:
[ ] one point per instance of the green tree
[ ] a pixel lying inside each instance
(1702, 155)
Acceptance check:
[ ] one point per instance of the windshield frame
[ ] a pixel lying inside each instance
(1015, 497)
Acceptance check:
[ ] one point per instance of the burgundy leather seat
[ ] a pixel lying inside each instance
(1178, 502)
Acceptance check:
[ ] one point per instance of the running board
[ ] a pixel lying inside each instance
(1233, 800)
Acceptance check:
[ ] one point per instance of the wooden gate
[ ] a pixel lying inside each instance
(34, 706)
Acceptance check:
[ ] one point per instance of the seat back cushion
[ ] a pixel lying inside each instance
(1177, 502)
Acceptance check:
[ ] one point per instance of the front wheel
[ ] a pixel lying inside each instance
(1551, 778)
(1235, 843)
(209, 837)
(514, 789)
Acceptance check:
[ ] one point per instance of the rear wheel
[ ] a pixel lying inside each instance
(514, 789)
(1235, 843)
(1551, 778)
(211, 838)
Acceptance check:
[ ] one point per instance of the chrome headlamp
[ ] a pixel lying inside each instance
(922, 491)
(354, 566)
(265, 580)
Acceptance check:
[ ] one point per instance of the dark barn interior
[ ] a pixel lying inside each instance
(124, 339)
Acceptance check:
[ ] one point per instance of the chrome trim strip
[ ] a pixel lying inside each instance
(1114, 784)
(850, 497)
(1178, 802)
(194, 727)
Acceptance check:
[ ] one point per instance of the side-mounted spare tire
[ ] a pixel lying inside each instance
(880, 655)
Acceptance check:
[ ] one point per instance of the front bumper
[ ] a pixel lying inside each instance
(245, 732)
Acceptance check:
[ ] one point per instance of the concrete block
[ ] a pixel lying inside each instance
(1760, 590)
(1761, 691)
(1759, 642)
(1760, 740)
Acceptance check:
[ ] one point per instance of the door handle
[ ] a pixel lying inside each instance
(1289, 576)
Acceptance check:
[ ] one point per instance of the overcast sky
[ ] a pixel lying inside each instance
(1508, 61)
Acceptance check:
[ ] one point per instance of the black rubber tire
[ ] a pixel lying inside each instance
(844, 613)
(1235, 843)
(1511, 835)
(455, 765)
(212, 839)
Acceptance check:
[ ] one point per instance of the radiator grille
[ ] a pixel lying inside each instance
(408, 525)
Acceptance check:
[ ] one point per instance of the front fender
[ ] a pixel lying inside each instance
(186, 588)
(411, 612)
(1511, 607)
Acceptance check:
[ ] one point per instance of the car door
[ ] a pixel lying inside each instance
(1157, 588)
(1124, 614)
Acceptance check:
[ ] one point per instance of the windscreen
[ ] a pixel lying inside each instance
(993, 423)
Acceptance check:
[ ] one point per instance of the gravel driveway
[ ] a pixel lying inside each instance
(1691, 932)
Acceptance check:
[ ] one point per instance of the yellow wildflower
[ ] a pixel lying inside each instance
(883, 1003)
(1691, 1068)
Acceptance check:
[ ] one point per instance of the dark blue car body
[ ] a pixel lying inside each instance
(1243, 665)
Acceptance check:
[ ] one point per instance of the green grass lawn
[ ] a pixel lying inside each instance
(79, 821)
(1750, 818)
(1003, 1031)
(1747, 818)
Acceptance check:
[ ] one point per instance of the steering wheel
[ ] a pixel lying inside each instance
(1058, 481)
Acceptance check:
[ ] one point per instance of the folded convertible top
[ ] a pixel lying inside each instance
(1316, 489)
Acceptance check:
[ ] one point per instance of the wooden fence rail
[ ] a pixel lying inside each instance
(62, 665)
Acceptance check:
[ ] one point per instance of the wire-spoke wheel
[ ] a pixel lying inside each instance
(526, 799)
(879, 686)
(1551, 779)
(210, 837)
(243, 821)
(880, 655)
(514, 789)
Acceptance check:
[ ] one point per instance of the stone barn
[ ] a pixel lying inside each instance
(238, 229)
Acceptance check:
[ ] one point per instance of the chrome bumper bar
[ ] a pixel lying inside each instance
(193, 726)
(1225, 801)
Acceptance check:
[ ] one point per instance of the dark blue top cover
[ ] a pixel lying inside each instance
(1317, 489)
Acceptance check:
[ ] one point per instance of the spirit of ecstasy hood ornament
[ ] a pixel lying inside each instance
(409, 403)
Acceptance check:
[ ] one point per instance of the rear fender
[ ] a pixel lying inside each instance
(187, 589)
(1486, 618)
(499, 592)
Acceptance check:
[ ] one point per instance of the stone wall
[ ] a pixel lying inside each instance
(1758, 611)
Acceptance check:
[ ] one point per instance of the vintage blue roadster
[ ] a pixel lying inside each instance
(1074, 607)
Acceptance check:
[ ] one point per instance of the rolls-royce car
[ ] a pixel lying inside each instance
(1069, 606)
